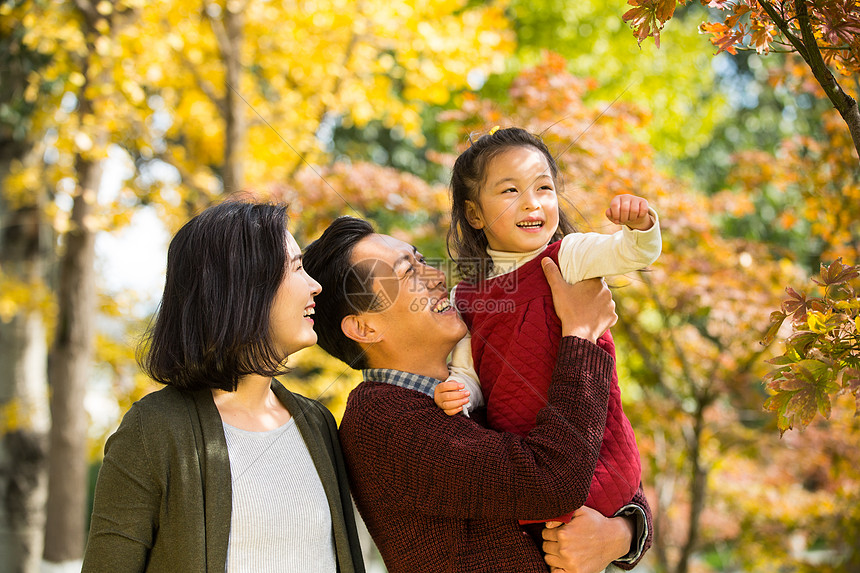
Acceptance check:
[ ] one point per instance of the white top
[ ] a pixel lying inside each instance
(281, 522)
(581, 256)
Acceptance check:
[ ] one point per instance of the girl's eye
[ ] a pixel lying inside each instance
(510, 190)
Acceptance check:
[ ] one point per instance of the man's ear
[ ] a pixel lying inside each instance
(473, 215)
(360, 328)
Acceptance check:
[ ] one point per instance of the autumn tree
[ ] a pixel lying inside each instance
(85, 65)
(24, 318)
(826, 34)
(821, 176)
(251, 103)
(597, 45)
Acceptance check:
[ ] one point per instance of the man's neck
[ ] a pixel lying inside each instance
(437, 369)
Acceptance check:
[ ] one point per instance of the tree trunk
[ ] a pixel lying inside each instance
(69, 371)
(24, 418)
(235, 127)
(698, 483)
(664, 485)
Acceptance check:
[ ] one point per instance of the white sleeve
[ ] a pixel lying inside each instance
(589, 255)
(462, 369)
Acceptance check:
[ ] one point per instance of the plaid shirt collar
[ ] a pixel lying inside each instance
(419, 382)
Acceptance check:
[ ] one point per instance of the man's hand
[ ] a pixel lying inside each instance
(586, 308)
(630, 210)
(588, 543)
(451, 396)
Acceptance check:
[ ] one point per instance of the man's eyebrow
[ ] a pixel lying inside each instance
(405, 258)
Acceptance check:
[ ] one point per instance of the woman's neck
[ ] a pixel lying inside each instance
(253, 406)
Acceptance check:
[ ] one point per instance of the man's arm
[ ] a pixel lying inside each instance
(591, 542)
(588, 543)
(639, 513)
(403, 448)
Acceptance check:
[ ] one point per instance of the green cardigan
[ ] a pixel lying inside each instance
(163, 497)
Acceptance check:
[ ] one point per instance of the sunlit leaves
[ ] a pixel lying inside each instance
(332, 61)
(822, 355)
(647, 17)
(748, 25)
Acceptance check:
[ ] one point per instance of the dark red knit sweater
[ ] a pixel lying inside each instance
(442, 493)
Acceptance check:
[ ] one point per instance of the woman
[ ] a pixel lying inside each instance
(224, 469)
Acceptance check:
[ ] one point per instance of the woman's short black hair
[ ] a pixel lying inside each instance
(345, 287)
(224, 267)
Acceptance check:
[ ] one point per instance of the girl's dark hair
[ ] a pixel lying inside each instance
(224, 267)
(346, 287)
(467, 246)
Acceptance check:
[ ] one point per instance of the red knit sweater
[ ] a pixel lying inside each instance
(515, 335)
(442, 493)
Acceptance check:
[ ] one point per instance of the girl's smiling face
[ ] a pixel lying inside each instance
(517, 206)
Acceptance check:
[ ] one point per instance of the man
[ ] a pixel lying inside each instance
(441, 493)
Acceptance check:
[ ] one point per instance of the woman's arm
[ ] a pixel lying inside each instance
(126, 504)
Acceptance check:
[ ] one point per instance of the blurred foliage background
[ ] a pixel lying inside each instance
(120, 119)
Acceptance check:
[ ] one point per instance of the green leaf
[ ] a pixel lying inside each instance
(802, 407)
(777, 402)
(800, 342)
(839, 292)
(824, 406)
(776, 320)
(813, 370)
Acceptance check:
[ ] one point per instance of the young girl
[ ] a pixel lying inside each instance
(505, 220)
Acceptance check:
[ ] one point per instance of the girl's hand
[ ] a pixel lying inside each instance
(450, 396)
(630, 210)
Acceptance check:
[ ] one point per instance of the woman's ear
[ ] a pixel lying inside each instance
(473, 215)
(359, 328)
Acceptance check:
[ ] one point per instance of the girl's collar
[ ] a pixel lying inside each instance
(505, 261)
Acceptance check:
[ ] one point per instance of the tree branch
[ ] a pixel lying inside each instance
(338, 80)
(843, 102)
(207, 88)
(782, 25)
